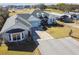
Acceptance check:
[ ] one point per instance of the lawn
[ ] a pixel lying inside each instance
(22, 11)
(59, 32)
(36, 52)
(75, 33)
(54, 10)
(3, 51)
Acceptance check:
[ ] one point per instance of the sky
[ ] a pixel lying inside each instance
(34, 2)
(39, 1)
(24, 3)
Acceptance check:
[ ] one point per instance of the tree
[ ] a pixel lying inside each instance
(41, 6)
(4, 14)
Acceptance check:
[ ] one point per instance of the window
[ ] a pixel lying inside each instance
(16, 36)
(22, 35)
(10, 37)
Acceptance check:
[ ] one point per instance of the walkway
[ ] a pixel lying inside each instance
(44, 35)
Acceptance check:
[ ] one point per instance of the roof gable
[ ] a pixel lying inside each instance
(40, 12)
(25, 16)
(9, 22)
(33, 18)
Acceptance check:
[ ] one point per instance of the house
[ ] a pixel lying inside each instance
(67, 17)
(19, 27)
(72, 15)
(52, 19)
(41, 14)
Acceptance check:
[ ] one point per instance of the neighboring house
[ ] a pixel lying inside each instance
(52, 19)
(66, 19)
(19, 27)
(73, 15)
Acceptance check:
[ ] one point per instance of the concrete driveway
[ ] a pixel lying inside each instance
(63, 46)
(50, 46)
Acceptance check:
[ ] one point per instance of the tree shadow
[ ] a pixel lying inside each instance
(70, 34)
(55, 25)
(74, 37)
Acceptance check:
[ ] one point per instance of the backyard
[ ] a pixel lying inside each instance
(22, 11)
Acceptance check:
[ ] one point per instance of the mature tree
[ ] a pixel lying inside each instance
(41, 6)
(4, 14)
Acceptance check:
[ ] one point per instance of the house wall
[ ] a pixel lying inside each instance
(7, 37)
(51, 20)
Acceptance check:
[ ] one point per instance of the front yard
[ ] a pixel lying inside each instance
(59, 32)
(36, 52)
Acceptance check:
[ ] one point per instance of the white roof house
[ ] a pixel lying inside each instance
(18, 26)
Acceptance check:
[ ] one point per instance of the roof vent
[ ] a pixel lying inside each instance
(38, 14)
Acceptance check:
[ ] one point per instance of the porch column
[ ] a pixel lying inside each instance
(21, 36)
(11, 37)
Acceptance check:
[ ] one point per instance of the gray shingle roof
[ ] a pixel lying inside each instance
(25, 16)
(39, 11)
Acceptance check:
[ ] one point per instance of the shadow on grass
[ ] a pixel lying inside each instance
(66, 21)
(24, 45)
(74, 37)
(55, 25)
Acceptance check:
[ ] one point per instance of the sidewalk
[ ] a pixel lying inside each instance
(44, 35)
